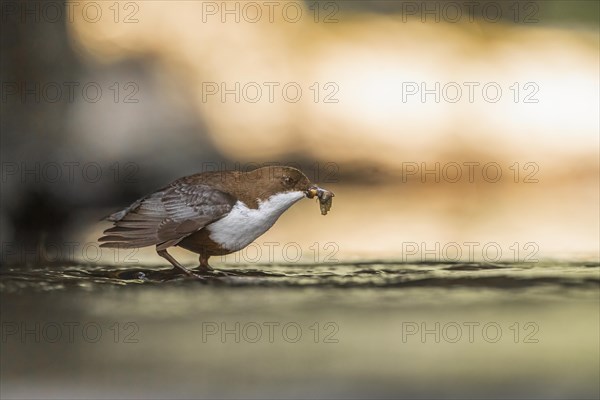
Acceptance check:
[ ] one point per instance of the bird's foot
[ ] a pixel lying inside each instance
(207, 270)
(188, 273)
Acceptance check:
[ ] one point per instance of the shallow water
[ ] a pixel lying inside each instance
(352, 330)
(367, 274)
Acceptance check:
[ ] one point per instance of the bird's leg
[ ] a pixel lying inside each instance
(176, 266)
(204, 267)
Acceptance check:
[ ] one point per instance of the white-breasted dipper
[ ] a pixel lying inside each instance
(211, 213)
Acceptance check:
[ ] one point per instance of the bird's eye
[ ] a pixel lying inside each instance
(288, 181)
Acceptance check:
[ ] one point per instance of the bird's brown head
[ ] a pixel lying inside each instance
(281, 179)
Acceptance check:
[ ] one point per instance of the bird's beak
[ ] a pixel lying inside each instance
(317, 191)
(312, 192)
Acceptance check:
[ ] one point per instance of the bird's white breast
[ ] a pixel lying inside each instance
(243, 225)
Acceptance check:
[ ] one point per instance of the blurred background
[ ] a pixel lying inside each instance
(408, 109)
(446, 129)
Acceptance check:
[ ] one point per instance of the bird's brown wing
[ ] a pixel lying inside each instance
(167, 216)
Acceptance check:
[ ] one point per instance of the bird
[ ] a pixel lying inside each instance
(211, 213)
